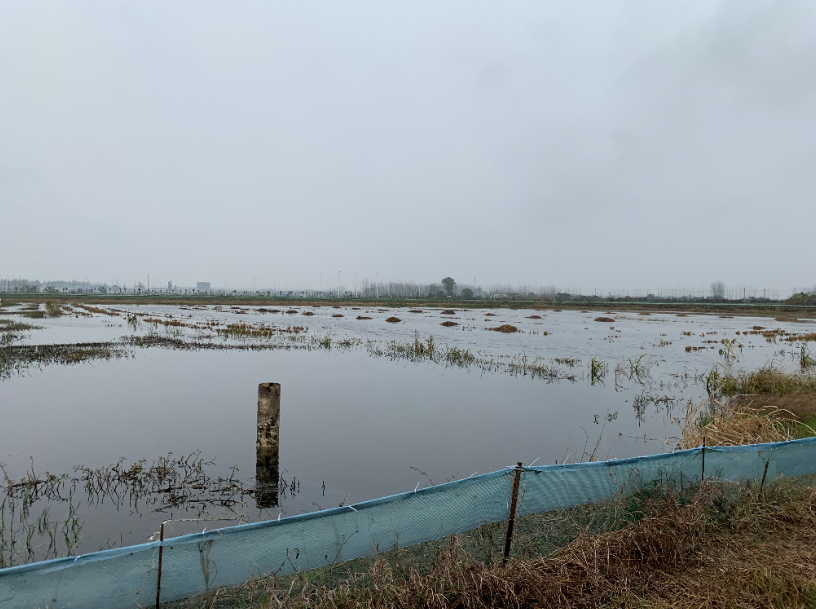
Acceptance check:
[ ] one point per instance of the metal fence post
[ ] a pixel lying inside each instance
(511, 521)
(158, 578)
(702, 476)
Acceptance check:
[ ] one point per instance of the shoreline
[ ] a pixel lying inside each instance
(741, 309)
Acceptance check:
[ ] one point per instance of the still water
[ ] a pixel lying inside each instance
(354, 426)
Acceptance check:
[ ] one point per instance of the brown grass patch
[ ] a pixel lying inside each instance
(490, 315)
(448, 323)
(415, 311)
(308, 313)
(448, 312)
(291, 312)
(361, 317)
(337, 315)
(534, 317)
(802, 404)
(506, 328)
(605, 319)
(393, 320)
(734, 423)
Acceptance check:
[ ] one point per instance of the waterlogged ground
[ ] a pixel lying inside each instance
(369, 407)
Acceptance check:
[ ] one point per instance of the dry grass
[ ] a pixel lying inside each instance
(769, 392)
(736, 422)
(719, 548)
(768, 381)
(505, 328)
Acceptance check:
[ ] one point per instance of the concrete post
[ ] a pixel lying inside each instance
(267, 445)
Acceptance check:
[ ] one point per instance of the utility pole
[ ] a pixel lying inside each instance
(377, 285)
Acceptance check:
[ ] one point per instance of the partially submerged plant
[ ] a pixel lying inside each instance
(597, 370)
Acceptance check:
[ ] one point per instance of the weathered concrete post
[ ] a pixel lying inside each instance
(267, 445)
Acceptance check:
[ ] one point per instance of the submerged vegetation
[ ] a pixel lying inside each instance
(18, 359)
(186, 485)
(14, 331)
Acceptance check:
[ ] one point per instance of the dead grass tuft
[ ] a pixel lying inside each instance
(736, 422)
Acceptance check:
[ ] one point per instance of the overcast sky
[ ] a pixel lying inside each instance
(596, 144)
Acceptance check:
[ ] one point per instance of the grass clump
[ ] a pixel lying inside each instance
(737, 422)
(505, 328)
(769, 390)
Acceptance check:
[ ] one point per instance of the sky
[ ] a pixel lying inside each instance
(601, 144)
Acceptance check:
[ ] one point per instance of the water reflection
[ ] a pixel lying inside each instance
(267, 444)
(266, 477)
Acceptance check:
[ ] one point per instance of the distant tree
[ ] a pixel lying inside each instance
(467, 293)
(449, 285)
(434, 291)
(718, 290)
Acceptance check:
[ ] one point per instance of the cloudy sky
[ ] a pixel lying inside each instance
(597, 144)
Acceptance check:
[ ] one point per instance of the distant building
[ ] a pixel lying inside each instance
(203, 286)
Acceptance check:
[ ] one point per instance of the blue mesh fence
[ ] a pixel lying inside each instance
(195, 564)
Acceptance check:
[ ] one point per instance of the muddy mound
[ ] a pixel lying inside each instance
(308, 313)
(607, 320)
(337, 315)
(448, 323)
(490, 314)
(291, 311)
(448, 312)
(415, 311)
(506, 328)
(534, 317)
(361, 317)
(393, 320)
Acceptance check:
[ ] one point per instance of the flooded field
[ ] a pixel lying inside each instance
(159, 405)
